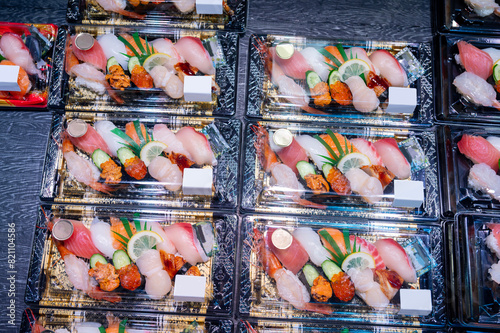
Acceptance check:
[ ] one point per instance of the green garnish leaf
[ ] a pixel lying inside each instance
(347, 241)
(328, 159)
(131, 143)
(327, 146)
(336, 142)
(342, 52)
(137, 224)
(102, 329)
(330, 56)
(138, 130)
(362, 75)
(2, 58)
(338, 255)
(126, 225)
(121, 327)
(331, 66)
(127, 44)
(138, 42)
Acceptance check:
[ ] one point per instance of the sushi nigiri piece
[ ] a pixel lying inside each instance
(131, 131)
(165, 172)
(183, 237)
(293, 258)
(364, 99)
(192, 50)
(90, 141)
(23, 80)
(168, 81)
(113, 47)
(483, 178)
(367, 288)
(396, 259)
(367, 247)
(493, 239)
(158, 282)
(76, 268)
(314, 149)
(163, 134)
(494, 53)
(165, 45)
(80, 242)
(381, 173)
(482, 7)
(343, 141)
(389, 68)
(476, 89)
(118, 6)
(368, 187)
(113, 141)
(475, 60)
(495, 141)
(494, 272)
(367, 148)
(94, 56)
(292, 154)
(317, 62)
(390, 282)
(197, 145)
(167, 245)
(479, 150)
(15, 51)
(149, 262)
(338, 238)
(393, 158)
(101, 237)
(296, 66)
(185, 6)
(311, 242)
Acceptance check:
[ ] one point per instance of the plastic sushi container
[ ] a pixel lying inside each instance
(71, 320)
(212, 93)
(208, 185)
(20, 88)
(230, 15)
(323, 96)
(264, 189)
(458, 16)
(48, 284)
(460, 193)
(260, 297)
(477, 296)
(252, 326)
(454, 107)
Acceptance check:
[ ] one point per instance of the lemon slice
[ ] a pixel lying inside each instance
(156, 59)
(496, 71)
(353, 67)
(353, 160)
(141, 242)
(151, 150)
(358, 260)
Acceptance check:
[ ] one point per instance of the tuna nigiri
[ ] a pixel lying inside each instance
(485, 179)
(183, 238)
(396, 258)
(80, 242)
(292, 154)
(163, 134)
(197, 145)
(311, 242)
(389, 68)
(165, 172)
(94, 56)
(90, 141)
(367, 148)
(479, 150)
(475, 60)
(392, 157)
(296, 66)
(192, 50)
(293, 257)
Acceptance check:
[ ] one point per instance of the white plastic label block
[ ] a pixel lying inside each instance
(408, 193)
(197, 88)
(189, 288)
(213, 7)
(197, 181)
(8, 78)
(415, 302)
(402, 100)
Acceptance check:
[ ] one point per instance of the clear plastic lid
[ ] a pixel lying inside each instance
(348, 171)
(477, 17)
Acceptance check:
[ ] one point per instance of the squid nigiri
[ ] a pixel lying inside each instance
(313, 148)
(113, 47)
(114, 142)
(101, 237)
(311, 242)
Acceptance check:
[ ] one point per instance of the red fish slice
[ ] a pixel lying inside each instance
(90, 141)
(94, 56)
(80, 242)
(292, 154)
(392, 157)
(479, 150)
(475, 60)
(367, 247)
(293, 258)
(295, 67)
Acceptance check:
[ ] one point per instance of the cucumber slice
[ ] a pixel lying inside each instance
(330, 269)
(496, 73)
(333, 76)
(120, 259)
(326, 169)
(97, 258)
(111, 62)
(310, 273)
(99, 157)
(132, 62)
(305, 168)
(124, 153)
(312, 79)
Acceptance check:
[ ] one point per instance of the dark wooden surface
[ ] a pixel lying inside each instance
(24, 134)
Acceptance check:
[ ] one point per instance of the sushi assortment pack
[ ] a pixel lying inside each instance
(363, 198)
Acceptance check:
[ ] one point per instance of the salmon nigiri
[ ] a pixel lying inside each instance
(131, 131)
(343, 141)
(293, 258)
(118, 232)
(132, 42)
(475, 60)
(479, 150)
(338, 238)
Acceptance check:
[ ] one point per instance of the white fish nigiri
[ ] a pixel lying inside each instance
(495, 141)
(167, 244)
(113, 47)
(393, 158)
(367, 148)
(183, 238)
(364, 99)
(114, 142)
(313, 148)
(494, 53)
(197, 145)
(158, 284)
(15, 51)
(102, 237)
(77, 272)
(317, 61)
(165, 45)
(483, 178)
(396, 258)
(368, 187)
(192, 50)
(311, 242)
(163, 134)
(149, 263)
(476, 89)
(389, 68)
(168, 81)
(165, 172)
